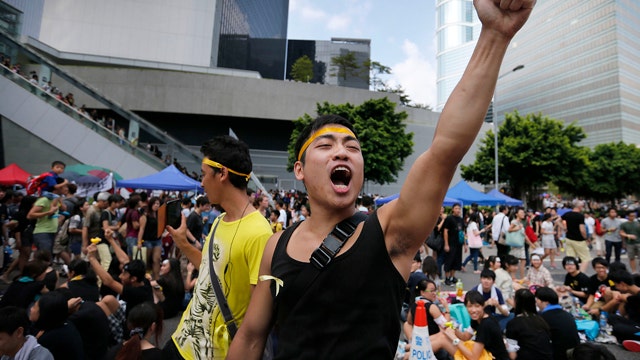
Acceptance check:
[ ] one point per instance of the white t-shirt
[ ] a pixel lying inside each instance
(282, 218)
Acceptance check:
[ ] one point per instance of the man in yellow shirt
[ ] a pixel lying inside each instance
(238, 238)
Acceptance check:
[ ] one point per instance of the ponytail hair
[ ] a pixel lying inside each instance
(139, 322)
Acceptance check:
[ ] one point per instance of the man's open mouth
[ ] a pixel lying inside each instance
(341, 176)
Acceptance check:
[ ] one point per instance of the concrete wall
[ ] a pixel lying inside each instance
(171, 31)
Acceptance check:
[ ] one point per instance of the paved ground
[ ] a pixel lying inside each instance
(469, 280)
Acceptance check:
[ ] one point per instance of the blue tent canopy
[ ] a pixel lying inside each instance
(447, 200)
(468, 195)
(507, 199)
(168, 179)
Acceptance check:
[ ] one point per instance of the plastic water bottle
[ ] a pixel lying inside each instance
(459, 288)
(603, 321)
(420, 342)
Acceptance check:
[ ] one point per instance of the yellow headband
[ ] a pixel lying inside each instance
(220, 166)
(321, 132)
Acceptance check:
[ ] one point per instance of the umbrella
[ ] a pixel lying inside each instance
(87, 174)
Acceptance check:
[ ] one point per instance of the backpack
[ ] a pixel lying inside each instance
(62, 237)
(35, 185)
(598, 228)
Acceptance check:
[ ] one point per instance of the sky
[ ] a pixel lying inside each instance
(402, 34)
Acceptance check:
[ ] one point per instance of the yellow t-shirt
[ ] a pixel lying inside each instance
(237, 253)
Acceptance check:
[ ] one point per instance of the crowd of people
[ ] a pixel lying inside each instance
(519, 302)
(327, 296)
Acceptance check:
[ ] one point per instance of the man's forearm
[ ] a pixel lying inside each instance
(194, 255)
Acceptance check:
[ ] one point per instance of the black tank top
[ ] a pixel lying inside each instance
(352, 308)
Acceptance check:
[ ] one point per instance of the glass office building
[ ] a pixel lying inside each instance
(252, 36)
(457, 30)
(582, 64)
(321, 53)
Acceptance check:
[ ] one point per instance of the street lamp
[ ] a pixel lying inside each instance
(495, 123)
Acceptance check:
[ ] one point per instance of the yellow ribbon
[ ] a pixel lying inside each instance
(220, 166)
(321, 132)
(279, 283)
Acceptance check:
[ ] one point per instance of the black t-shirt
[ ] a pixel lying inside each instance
(195, 225)
(84, 288)
(595, 283)
(488, 333)
(454, 225)
(433, 327)
(63, 342)
(579, 282)
(533, 339)
(574, 219)
(21, 293)
(93, 326)
(111, 218)
(135, 295)
(564, 332)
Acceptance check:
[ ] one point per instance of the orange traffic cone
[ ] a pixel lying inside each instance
(420, 342)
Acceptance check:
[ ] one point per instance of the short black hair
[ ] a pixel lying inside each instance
(314, 126)
(599, 261)
(568, 259)
(12, 318)
(547, 294)
(53, 310)
(231, 153)
(473, 297)
(58, 162)
(622, 276)
(136, 268)
(488, 273)
(202, 200)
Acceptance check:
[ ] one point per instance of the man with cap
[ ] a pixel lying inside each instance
(576, 283)
(91, 224)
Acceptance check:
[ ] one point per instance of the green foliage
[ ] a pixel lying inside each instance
(375, 70)
(381, 132)
(302, 69)
(347, 65)
(533, 151)
(613, 171)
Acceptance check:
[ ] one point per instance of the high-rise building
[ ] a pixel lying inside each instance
(457, 30)
(321, 54)
(582, 63)
(252, 36)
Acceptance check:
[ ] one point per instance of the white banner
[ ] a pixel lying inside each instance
(88, 190)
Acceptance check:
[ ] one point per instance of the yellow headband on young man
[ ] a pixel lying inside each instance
(321, 132)
(220, 166)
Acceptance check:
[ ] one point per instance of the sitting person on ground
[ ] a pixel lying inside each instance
(538, 274)
(51, 328)
(169, 289)
(504, 281)
(91, 321)
(494, 301)
(27, 287)
(626, 326)
(576, 283)
(144, 323)
(528, 334)
(16, 343)
(600, 287)
(50, 275)
(488, 336)
(82, 281)
(564, 332)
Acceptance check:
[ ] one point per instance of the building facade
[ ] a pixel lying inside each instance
(457, 30)
(321, 54)
(582, 64)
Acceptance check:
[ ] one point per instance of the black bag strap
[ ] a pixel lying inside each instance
(320, 258)
(217, 289)
(332, 244)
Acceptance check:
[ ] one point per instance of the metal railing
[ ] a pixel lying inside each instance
(179, 150)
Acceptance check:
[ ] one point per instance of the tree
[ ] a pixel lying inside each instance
(302, 69)
(375, 70)
(381, 132)
(347, 65)
(613, 171)
(533, 151)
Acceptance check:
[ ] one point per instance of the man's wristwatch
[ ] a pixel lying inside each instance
(456, 341)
